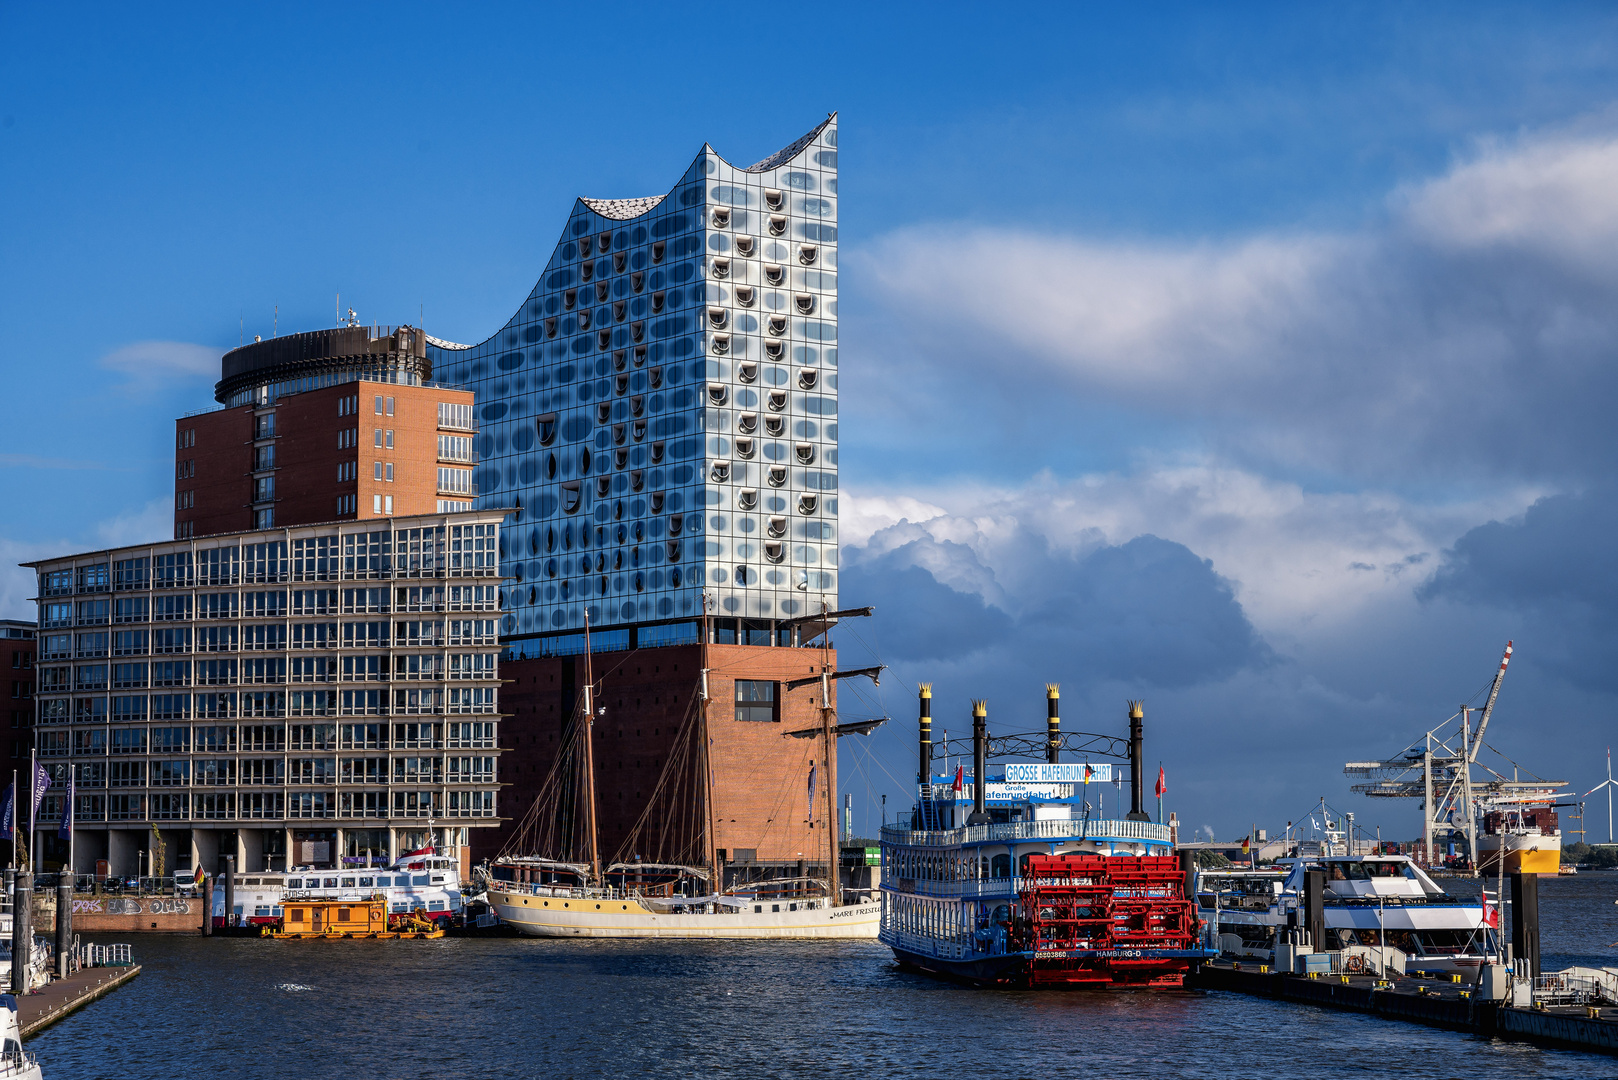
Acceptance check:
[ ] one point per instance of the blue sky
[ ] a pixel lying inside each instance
(1278, 344)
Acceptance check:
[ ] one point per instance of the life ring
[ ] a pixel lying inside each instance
(1353, 964)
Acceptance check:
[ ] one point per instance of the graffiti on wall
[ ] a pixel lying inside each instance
(118, 905)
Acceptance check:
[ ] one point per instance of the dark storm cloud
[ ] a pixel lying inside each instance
(1147, 612)
(1553, 567)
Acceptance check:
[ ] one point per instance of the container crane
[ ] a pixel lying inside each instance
(1437, 768)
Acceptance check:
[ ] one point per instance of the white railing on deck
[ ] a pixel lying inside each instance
(1112, 829)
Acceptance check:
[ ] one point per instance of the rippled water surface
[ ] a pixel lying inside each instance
(529, 1008)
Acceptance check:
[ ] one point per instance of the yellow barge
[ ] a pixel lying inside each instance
(336, 919)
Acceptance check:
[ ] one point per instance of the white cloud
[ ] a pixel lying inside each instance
(1297, 559)
(1468, 335)
(156, 359)
(154, 521)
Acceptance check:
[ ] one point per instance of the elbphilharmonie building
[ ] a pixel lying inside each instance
(662, 409)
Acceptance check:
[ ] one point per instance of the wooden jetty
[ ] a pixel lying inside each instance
(39, 1010)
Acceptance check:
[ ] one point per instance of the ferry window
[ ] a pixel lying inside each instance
(295, 883)
(755, 700)
(366, 883)
(758, 909)
(295, 915)
(436, 905)
(438, 879)
(1002, 866)
(775, 907)
(348, 883)
(331, 883)
(419, 879)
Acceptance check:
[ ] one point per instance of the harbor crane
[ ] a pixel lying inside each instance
(1438, 770)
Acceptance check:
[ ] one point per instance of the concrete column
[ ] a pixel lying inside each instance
(229, 874)
(337, 856)
(292, 854)
(123, 852)
(393, 846)
(249, 849)
(205, 850)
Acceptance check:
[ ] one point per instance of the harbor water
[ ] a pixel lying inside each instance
(234, 1007)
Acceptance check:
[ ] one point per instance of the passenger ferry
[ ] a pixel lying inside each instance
(420, 881)
(1372, 901)
(1014, 882)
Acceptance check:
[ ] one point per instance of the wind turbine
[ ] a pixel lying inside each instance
(1608, 784)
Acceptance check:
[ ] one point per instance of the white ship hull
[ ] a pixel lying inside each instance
(544, 915)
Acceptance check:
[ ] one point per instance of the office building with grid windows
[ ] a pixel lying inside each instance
(315, 692)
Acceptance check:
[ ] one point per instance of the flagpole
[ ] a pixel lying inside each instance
(33, 803)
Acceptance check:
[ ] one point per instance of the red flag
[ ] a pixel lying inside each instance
(960, 776)
(1162, 782)
(1491, 912)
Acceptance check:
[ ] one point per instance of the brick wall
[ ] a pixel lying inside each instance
(218, 464)
(760, 777)
(310, 448)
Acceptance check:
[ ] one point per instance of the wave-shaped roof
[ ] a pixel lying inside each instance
(787, 153)
(626, 209)
(622, 209)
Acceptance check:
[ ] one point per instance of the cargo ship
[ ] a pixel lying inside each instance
(1014, 881)
(1526, 827)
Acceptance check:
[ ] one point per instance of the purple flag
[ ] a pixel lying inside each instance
(42, 780)
(66, 830)
(8, 811)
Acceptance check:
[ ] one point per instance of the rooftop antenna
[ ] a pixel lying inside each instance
(275, 326)
(241, 327)
(337, 308)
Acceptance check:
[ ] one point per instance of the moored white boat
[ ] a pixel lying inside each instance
(543, 911)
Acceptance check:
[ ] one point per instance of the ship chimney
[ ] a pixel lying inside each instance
(1053, 722)
(980, 755)
(924, 719)
(1137, 764)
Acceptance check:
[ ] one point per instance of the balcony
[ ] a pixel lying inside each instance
(1019, 831)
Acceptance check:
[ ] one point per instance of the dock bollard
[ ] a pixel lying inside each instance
(64, 924)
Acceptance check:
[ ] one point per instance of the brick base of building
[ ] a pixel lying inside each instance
(761, 810)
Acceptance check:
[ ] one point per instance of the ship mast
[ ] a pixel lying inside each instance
(829, 742)
(711, 839)
(589, 752)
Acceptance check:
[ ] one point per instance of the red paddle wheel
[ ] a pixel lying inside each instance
(1103, 920)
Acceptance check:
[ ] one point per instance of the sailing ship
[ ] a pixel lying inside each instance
(551, 882)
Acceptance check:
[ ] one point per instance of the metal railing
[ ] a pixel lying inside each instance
(1011, 831)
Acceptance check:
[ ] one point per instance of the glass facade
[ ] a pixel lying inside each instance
(663, 406)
